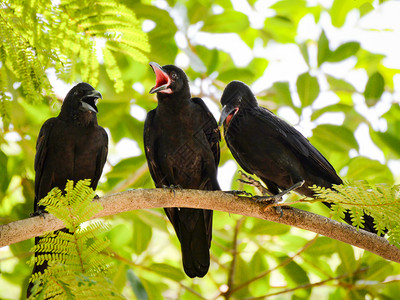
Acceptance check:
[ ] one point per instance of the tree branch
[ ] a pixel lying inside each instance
(216, 200)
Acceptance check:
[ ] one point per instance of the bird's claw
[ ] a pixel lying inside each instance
(270, 201)
(39, 212)
(172, 188)
(239, 193)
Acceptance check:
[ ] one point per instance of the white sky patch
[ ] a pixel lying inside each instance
(181, 40)
(228, 42)
(125, 148)
(60, 88)
(325, 99)
(358, 78)
(138, 112)
(394, 166)
(307, 29)
(367, 147)
(12, 136)
(138, 86)
(372, 114)
(100, 43)
(305, 125)
(182, 60)
(217, 9)
(214, 108)
(148, 25)
(285, 64)
(16, 85)
(396, 87)
(256, 16)
(334, 118)
(287, 113)
(225, 175)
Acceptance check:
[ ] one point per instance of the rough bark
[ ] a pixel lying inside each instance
(152, 198)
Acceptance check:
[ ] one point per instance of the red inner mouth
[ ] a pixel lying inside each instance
(230, 116)
(161, 77)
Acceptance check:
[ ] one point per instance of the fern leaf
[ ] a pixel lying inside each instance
(380, 201)
(76, 260)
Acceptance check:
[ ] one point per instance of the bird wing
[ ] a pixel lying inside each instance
(100, 159)
(40, 157)
(210, 129)
(296, 141)
(149, 139)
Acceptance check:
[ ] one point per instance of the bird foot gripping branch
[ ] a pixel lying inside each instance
(172, 188)
(270, 200)
(278, 197)
(239, 193)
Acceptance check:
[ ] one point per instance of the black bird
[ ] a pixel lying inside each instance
(181, 141)
(270, 148)
(70, 146)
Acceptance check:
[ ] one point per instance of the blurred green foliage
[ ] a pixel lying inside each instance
(109, 44)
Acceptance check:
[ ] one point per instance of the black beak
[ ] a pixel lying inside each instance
(162, 79)
(227, 111)
(89, 101)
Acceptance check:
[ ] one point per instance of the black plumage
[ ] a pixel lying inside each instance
(270, 148)
(181, 140)
(71, 146)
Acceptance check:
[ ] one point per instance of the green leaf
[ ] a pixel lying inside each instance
(154, 219)
(293, 9)
(281, 93)
(258, 66)
(324, 135)
(242, 274)
(142, 234)
(4, 180)
(136, 285)
(366, 8)
(296, 276)
(258, 265)
(363, 168)
(168, 271)
(228, 21)
(261, 227)
(389, 140)
(120, 236)
(245, 75)
(344, 51)
(154, 289)
(281, 29)
(374, 89)
(323, 246)
(348, 260)
(340, 9)
(307, 88)
(339, 85)
(323, 48)
(379, 270)
(304, 52)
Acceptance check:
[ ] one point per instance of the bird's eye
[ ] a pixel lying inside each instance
(76, 93)
(174, 75)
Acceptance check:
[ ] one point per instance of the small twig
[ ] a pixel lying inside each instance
(309, 285)
(251, 181)
(282, 264)
(232, 268)
(115, 255)
(131, 180)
